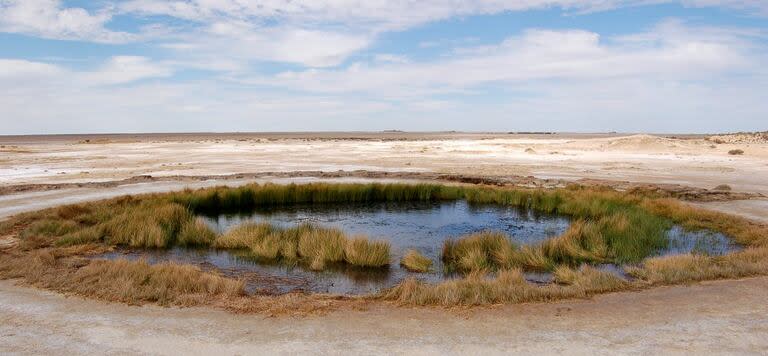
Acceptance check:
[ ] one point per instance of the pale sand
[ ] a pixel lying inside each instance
(725, 317)
(638, 158)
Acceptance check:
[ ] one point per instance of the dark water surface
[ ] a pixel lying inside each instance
(423, 226)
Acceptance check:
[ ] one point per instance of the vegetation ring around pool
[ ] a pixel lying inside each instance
(57, 247)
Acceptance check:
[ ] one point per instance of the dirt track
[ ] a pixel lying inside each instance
(716, 317)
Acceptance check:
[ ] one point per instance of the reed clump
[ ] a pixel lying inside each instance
(360, 251)
(195, 232)
(133, 282)
(137, 281)
(690, 268)
(414, 261)
(508, 286)
(244, 236)
(589, 279)
(477, 252)
(226, 199)
(317, 246)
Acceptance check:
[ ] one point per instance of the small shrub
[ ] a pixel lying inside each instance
(736, 152)
(723, 187)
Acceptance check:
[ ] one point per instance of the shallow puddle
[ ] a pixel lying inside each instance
(423, 226)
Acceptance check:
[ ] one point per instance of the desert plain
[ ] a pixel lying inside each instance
(728, 173)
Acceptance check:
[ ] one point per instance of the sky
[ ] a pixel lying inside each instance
(109, 66)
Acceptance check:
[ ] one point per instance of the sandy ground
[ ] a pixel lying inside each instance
(641, 158)
(725, 317)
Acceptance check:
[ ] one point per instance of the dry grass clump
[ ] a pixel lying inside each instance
(244, 236)
(477, 252)
(509, 286)
(91, 234)
(414, 261)
(360, 251)
(582, 242)
(137, 281)
(147, 225)
(315, 245)
(125, 281)
(689, 268)
(321, 246)
(736, 152)
(49, 228)
(195, 233)
(589, 279)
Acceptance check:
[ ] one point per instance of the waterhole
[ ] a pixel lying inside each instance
(423, 226)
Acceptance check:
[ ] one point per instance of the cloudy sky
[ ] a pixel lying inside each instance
(306, 65)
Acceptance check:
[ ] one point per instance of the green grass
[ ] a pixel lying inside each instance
(223, 199)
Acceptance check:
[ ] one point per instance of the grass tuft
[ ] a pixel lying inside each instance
(477, 252)
(244, 236)
(360, 251)
(414, 261)
(195, 232)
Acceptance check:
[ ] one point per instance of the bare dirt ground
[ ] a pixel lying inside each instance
(716, 317)
(641, 158)
(724, 317)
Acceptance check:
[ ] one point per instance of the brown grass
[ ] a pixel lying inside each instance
(509, 286)
(322, 246)
(132, 282)
(477, 252)
(414, 261)
(195, 233)
(689, 268)
(244, 236)
(360, 251)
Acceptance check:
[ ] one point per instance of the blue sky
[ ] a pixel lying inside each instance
(308, 65)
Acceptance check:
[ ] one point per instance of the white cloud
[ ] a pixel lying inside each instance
(665, 52)
(48, 19)
(244, 42)
(386, 15)
(126, 69)
(23, 69)
(390, 58)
